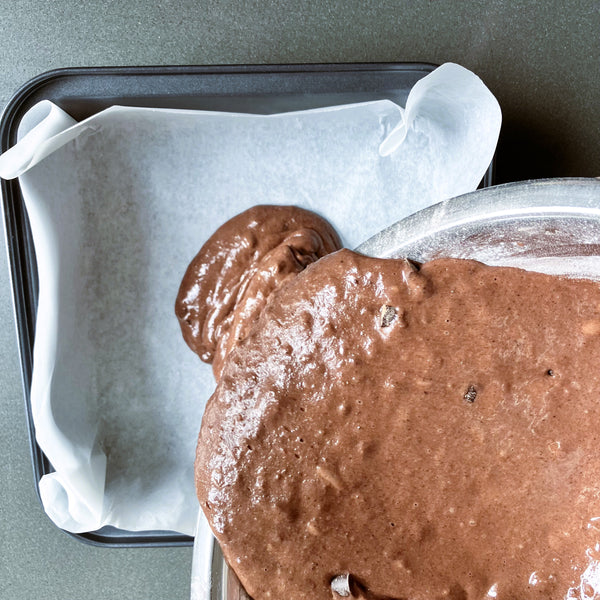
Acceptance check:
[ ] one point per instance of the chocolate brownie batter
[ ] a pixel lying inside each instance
(226, 285)
(384, 431)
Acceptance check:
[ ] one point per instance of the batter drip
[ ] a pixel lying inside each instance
(227, 284)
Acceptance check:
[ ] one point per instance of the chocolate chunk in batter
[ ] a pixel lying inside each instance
(387, 314)
(471, 394)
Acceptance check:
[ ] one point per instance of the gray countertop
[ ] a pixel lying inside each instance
(541, 60)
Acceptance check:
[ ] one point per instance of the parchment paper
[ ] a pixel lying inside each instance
(120, 204)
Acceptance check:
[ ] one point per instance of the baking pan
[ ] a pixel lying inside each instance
(82, 92)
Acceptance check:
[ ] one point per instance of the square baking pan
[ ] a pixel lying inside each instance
(82, 92)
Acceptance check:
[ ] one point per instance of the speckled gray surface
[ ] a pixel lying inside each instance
(542, 62)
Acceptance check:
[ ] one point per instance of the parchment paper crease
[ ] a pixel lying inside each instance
(120, 203)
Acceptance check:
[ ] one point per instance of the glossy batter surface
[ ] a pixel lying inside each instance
(227, 284)
(434, 434)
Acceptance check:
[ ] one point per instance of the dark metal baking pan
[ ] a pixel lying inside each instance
(82, 92)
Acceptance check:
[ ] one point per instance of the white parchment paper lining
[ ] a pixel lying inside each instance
(120, 203)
